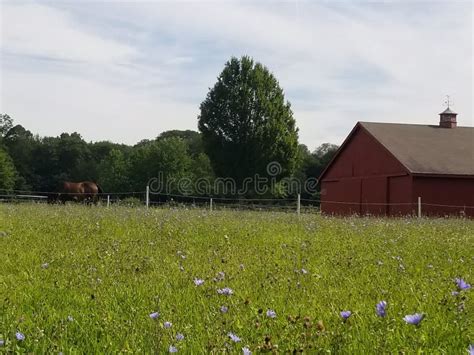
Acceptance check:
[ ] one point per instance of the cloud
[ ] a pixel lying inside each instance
(338, 63)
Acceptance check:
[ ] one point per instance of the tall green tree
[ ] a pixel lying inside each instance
(8, 173)
(246, 123)
(193, 140)
(20, 144)
(168, 158)
(114, 172)
(6, 123)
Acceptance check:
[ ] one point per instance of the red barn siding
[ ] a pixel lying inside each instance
(374, 195)
(363, 156)
(361, 176)
(444, 191)
(400, 196)
(345, 190)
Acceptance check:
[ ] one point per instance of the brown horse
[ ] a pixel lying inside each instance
(85, 191)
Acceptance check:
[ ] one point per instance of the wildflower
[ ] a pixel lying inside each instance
(224, 309)
(167, 325)
(455, 293)
(181, 268)
(234, 337)
(172, 349)
(220, 275)
(154, 315)
(380, 308)
(20, 336)
(2, 342)
(462, 285)
(70, 318)
(345, 314)
(198, 282)
(44, 265)
(304, 271)
(246, 351)
(179, 337)
(414, 319)
(471, 349)
(271, 313)
(225, 291)
(241, 266)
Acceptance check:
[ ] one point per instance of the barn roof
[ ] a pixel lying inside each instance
(425, 149)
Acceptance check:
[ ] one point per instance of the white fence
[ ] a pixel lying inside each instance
(149, 199)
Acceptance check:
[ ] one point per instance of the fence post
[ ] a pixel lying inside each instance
(210, 204)
(419, 207)
(147, 197)
(108, 201)
(298, 205)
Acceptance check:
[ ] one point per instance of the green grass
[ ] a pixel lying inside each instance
(110, 268)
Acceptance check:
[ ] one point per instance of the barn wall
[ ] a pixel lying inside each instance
(363, 156)
(345, 190)
(363, 177)
(444, 191)
(400, 196)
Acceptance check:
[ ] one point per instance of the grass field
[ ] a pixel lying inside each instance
(77, 279)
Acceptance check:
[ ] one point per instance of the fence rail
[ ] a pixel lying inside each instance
(150, 198)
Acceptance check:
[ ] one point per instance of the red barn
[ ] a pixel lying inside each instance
(383, 168)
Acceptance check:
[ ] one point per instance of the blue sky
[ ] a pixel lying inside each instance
(125, 71)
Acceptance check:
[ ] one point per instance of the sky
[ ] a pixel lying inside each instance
(129, 70)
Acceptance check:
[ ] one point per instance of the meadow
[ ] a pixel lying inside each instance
(77, 279)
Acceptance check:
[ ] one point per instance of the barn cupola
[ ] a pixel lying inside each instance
(447, 118)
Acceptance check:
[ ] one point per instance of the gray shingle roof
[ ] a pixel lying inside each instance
(424, 149)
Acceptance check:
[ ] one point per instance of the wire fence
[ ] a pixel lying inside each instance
(296, 204)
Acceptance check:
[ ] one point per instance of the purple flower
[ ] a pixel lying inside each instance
(20, 336)
(225, 291)
(224, 309)
(246, 351)
(172, 349)
(455, 293)
(414, 319)
(198, 282)
(471, 349)
(345, 314)
(234, 337)
(167, 325)
(271, 313)
(179, 337)
(2, 342)
(462, 285)
(380, 309)
(154, 315)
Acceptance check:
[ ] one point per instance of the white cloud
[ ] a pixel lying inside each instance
(36, 30)
(338, 64)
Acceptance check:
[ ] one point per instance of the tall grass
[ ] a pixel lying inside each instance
(77, 279)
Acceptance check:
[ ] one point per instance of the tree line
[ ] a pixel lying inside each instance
(244, 124)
